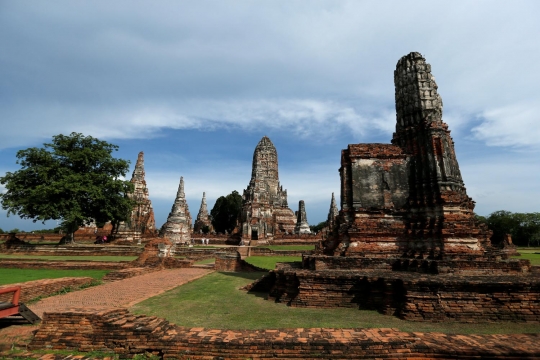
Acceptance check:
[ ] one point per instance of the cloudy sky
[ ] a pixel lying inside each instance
(196, 84)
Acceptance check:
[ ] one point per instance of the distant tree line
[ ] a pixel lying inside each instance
(524, 227)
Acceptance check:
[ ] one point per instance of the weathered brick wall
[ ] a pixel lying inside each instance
(41, 288)
(231, 262)
(127, 273)
(127, 335)
(418, 297)
(256, 251)
(468, 265)
(62, 265)
(73, 250)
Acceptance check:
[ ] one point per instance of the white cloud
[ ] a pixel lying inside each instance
(513, 125)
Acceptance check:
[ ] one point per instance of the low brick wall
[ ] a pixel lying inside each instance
(232, 262)
(473, 266)
(62, 265)
(418, 297)
(257, 251)
(33, 289)
(127, 335)
(73, 250)
(127, 273)
(290, 240)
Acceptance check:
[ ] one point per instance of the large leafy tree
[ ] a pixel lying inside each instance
(74, 179)
(524, 227)
(226, 211)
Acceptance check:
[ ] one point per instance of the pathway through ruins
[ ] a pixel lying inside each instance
(121, 293)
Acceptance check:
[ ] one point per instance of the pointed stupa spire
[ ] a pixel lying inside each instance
(302, 226)
(332, 213)
(138, 171)
(203, 219)
(178, 225)
(180, 193)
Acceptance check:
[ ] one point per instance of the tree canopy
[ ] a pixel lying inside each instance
(226, 211)
(74, 178)
(524, 227)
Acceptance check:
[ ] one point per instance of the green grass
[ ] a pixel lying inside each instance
(529, 255)
(12, 276)
(289, 247)
(58, 257)
(215, 301)
(269, 262)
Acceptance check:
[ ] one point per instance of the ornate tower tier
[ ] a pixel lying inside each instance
(203, 219)
(265, 210)
(178, 225)
(142, 221)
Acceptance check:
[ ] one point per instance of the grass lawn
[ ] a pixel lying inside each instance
(534, 258)
(289, 247)
(54, 257)
(12, 276)
(269, 262)
(215, 301)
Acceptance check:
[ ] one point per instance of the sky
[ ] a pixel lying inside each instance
(196, 84)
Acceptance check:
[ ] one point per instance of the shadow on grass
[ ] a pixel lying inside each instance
(255, 275)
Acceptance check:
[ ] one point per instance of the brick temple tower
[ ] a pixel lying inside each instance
(407, 198)
(178, 225)
(203, 219)
(265, 211)
(142, 219)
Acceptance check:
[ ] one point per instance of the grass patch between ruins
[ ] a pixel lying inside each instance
(215, 301)
(12, 276)
(269, 262)
(206, 261)
(71, 257)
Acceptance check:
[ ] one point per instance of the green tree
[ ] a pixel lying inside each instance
(318, 227)
(74, 179)
(226, 211)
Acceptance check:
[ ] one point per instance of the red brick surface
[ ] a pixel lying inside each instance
(127, 334)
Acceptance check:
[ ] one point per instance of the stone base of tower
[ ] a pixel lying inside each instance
(411, 296)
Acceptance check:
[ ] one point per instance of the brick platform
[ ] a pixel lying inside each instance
(62, 264)
(411, 296)
(127, 334)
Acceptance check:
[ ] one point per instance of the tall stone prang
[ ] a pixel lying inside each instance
(178, 225)
(302, 226)
(142, 221)
(408, 197)
(333, 213)
(203, 219)
(265, 211)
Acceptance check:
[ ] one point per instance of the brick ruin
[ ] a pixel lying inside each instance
(333, 213)
(406, 241)
(408, 198)
(302, 226)
(203, 218)
(265, 211)
(142, 221)
(178, 225)
(128, 334)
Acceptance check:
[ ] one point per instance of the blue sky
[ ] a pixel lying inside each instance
(196, 84)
